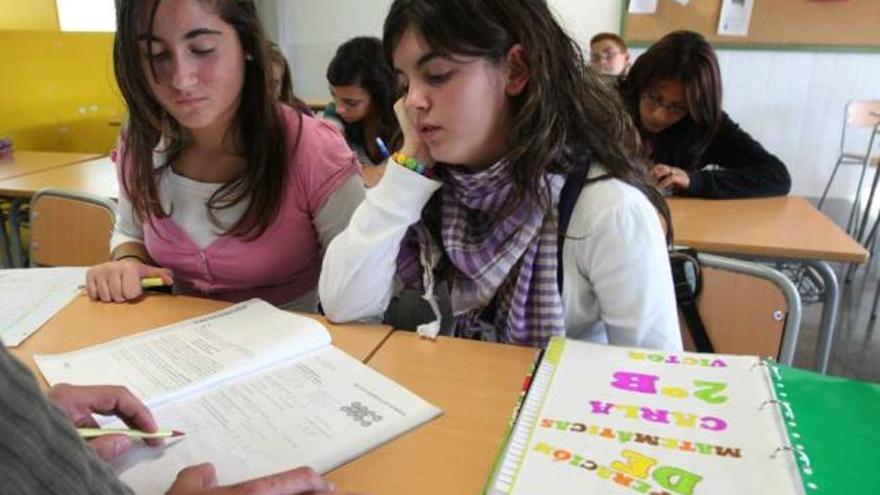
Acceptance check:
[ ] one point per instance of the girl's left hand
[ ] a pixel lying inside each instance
(669, 177)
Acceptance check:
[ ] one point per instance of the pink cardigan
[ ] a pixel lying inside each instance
(285, 261)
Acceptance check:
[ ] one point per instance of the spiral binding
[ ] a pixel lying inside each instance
(797, 450)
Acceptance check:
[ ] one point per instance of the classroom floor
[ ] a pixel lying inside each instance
(856, 352)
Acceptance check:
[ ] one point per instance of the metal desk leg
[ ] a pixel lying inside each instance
(15, 228)
(4, 243)
(829, 315)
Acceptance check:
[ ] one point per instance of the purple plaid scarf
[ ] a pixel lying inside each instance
(515, 262)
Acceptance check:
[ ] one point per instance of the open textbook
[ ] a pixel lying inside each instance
(257, 390)
(33, 295)
(610, 420)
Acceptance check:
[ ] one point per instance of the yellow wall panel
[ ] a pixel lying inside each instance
(58, 91)
(28, 15)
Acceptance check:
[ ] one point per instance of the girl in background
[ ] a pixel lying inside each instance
(224, 192)
(673, 92)
(500, 115)
(363, 88)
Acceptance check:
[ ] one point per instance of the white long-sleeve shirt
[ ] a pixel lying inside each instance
(617, 286)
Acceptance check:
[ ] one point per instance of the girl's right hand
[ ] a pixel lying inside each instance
(413, 145)
(120, 281)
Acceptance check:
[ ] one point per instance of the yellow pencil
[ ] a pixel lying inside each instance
(146, 283)
(98, 432)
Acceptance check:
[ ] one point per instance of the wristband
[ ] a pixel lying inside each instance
(131, 256)
(412, 164)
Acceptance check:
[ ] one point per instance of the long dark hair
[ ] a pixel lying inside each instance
(566, 116)
(257, 132)
(685, 57)
(360, 62)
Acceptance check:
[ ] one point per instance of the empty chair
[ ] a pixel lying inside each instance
(864, 115)
(747, 308)
(70, 229)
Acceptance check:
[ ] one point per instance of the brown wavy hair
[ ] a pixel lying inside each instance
(685, 57)
(567, 116)
(257, 131)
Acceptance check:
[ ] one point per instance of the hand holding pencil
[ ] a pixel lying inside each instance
(125, 279)
(81, 403)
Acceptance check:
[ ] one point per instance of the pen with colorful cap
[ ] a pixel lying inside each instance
(382, 147)
(99, 432)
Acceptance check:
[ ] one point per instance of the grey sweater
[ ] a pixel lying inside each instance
(40, 451)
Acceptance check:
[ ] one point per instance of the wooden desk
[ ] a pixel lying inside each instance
(317, 104)
(782, 228)
(787, 227)
(84, 323)
(23, 162)
(95, 176)
(475, 384)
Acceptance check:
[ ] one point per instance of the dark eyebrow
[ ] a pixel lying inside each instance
(188, 36)
(424, 59)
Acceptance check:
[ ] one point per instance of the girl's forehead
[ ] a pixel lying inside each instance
(411, 44)
(175, 18)
(349, 91)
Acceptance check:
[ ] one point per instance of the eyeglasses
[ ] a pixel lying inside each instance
(603, 56)
(656, 102)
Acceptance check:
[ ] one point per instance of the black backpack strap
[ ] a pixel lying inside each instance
(575, 182)
(688, 282)
(571, 191)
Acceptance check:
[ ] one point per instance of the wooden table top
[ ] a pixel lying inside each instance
(96, 176)
(85, 323)
(785, 227)
(23, 162)
(475, 384)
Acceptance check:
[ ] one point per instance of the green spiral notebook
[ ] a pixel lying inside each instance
(610, 420)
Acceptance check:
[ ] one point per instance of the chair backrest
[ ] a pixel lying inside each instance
(70, 229)
(742, 313)
(861, 119)
(863, 113)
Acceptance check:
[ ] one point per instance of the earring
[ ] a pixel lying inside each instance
(249, 57)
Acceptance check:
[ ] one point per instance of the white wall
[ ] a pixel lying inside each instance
(310, 30)
(792, 102)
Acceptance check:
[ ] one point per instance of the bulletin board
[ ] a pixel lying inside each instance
(834, 25)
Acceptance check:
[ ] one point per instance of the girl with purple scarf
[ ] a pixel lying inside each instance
(499, 110)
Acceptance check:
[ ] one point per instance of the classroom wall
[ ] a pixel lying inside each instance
(28, 15)
(310, 30)
(790, 101)
(793, 103)
(57, 91)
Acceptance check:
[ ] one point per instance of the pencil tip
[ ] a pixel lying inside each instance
(177, 433)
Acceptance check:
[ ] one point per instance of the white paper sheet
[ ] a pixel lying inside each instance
(322, 411)
(736, 17)
(30, 296)
(257, 390)
(642, 6)
(178, 359)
